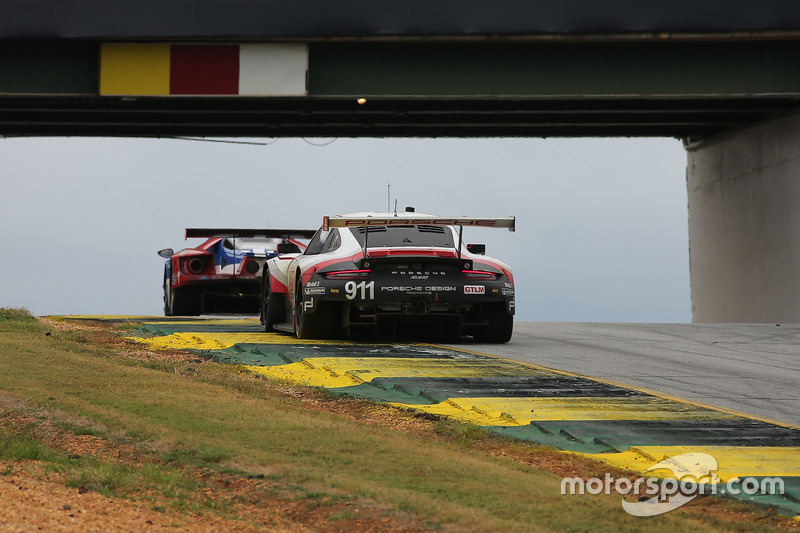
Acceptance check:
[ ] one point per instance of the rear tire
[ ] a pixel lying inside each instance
(167, 289)
(500, 324)
(184, 302)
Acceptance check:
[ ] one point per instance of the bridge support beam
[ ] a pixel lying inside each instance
(744, 225)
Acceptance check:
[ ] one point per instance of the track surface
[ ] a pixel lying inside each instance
(750, 368)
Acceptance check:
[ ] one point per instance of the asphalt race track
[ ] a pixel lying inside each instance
(654, 399)
(750, 368)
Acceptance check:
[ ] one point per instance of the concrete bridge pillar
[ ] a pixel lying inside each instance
(744, 224)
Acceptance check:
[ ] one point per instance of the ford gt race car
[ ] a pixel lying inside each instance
(391, 275)
(222, 275)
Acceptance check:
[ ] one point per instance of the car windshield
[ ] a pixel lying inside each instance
(252, 243)
(418, 235)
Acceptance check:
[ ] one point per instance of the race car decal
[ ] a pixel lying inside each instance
(345, 262)
(449, 254)
(351, 222)
(276, 286)
(474, 289)
(367, 290)
(314, 291)
(417, 274)
(420, 289)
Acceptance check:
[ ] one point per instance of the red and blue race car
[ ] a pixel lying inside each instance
(391, 275)
(223, 274)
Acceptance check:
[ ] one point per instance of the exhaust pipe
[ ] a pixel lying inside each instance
(417, 306)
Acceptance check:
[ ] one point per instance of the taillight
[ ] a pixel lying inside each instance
(479, 275)
(195, 265)
(345, 275)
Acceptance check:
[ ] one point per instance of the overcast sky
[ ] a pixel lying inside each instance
(601, 223)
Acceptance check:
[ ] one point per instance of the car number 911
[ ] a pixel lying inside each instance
(366, 290)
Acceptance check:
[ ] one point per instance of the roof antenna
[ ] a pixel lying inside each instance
(395, 207)
(388, 196)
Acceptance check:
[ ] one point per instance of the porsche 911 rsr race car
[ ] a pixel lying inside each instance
(222, 275)
(391, 276)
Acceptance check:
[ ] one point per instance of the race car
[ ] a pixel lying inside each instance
(390, 275)
(222, 275)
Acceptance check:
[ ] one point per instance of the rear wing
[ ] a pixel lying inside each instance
(356, 222)
(249, 232)
(361, 222)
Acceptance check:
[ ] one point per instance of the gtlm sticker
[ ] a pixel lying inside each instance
(474, 289)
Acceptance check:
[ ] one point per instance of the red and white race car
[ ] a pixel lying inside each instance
(223, 274)
(391, 275)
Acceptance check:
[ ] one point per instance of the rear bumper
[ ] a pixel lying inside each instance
(407, 295)
(227, 296)
(395, 298)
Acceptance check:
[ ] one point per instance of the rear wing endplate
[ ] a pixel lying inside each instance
(357, 222)
(249, 232)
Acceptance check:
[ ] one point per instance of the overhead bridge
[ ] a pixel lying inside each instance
(381, 117)
(722, 76)
(370, 88)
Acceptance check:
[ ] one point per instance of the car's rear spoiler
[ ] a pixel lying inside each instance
(249, 232)
(361, 222)
(356, 222)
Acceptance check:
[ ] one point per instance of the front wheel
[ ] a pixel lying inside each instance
(272, 306)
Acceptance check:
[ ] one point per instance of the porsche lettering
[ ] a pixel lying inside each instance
(351, 223)
(436, 288)
(401, 289)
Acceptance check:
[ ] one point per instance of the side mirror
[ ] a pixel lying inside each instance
(478, 249)
(166, 253)
(288, 248)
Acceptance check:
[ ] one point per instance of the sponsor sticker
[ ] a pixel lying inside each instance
(401, 289)
(420, 289)
(400, 221)
(315, 290)
(474, 289)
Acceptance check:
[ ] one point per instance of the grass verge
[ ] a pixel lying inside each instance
(193, 421)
